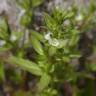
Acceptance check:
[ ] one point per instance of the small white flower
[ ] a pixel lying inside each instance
(54, 42)
(2, 42)
(48, 36)
(13, 38)
(79, 17)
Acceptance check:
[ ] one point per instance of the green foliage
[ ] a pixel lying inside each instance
(53, 50)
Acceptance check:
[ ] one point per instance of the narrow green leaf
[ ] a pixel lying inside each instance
(52, 50)
(92, 67)
(92, 6)
(37, 35)
(66, 58)
(44, 82)
(36, 3)
(50, 22)
(3, 29)
(3, 24)
(37, 45)
(24, 3)
(2, 72)
(26, 65)
(69, 15)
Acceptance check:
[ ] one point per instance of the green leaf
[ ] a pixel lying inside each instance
(36, 3)
(59, 15)
(37, 45)
(69, 15)
(50, 22)
(5, 48)
(3, 24)
(24, 4)
(75, 54)
(26, 65)
(74, 37)
(92, 6)
(26, 19)
(52, 50)
(92, 66)
(44, 82)
(3, 29)
(66, 58)
(2, 72)
(37, 35)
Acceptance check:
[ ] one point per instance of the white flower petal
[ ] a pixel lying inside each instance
(48, 36)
